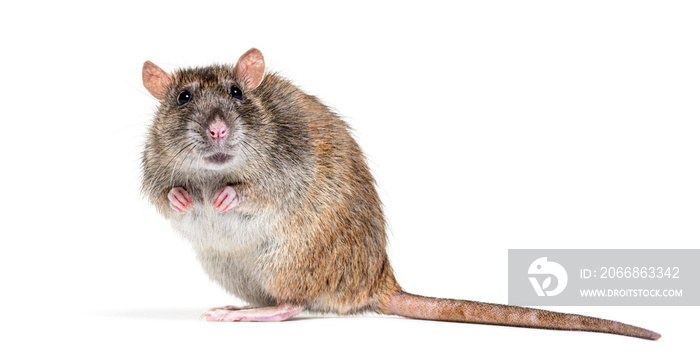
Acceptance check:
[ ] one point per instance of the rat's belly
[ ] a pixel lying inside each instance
(232, 249)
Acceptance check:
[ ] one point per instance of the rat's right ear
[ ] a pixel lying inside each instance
(155, 80)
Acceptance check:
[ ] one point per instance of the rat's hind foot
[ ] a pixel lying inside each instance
(180, 200)
(225, 199)
(277, 313)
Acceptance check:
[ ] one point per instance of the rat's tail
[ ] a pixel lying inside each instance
(441, 309)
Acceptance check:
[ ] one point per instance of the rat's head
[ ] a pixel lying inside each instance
(207, 115)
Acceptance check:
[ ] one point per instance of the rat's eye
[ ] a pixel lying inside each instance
(184, 97)
(236, 92)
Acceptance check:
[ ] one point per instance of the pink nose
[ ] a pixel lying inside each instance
(218, 130)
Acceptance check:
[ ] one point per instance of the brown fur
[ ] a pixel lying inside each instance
(309, 228)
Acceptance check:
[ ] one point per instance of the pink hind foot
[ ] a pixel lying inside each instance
(277, 313)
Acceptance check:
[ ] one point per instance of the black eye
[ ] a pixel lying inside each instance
(184, 97)
(236, 92)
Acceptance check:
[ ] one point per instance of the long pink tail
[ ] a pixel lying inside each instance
(441, 309)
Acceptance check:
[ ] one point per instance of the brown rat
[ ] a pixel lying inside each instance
(277, 199)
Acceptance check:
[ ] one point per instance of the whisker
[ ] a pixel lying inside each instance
(190, 147)
(180, 130)
(264, 161)
(178, 153)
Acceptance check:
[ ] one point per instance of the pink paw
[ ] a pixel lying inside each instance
(180, 200)
(263, 314)
(218, 313)
(225, 199)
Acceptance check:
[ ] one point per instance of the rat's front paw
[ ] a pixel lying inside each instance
(180, 200)
(225, 199)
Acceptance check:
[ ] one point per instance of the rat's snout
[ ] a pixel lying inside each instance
(218, 150)
(218, 129)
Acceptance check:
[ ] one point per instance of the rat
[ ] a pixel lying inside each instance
(276, 197)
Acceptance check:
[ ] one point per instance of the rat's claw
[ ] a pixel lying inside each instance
(180, 200)
(225, 199)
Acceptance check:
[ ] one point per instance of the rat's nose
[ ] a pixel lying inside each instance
(218, 130)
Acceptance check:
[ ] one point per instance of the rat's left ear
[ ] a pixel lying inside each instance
(251, 68)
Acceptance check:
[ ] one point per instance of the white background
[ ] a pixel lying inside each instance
(489, 126)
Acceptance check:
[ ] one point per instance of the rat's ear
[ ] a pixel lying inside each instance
(155, 80)
(251, 68)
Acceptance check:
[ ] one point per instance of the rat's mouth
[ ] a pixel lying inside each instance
(219, 158)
